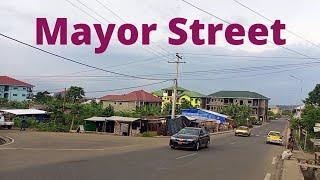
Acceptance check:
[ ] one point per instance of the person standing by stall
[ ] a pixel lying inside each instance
(23, 123)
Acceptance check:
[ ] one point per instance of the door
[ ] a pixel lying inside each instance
(203, 139)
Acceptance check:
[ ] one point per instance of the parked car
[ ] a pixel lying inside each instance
(274, 137)
(190, 137)
(242, 131)
(4, 123)
(258, 122)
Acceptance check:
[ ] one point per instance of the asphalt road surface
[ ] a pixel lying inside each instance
(36, 155)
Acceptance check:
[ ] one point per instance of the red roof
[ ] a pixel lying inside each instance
(140, 95)
(5, 80)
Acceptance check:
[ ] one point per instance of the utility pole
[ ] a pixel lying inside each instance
(300, 108)
(175, 84)
(64, 99)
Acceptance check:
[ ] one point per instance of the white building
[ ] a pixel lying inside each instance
(298, 111)
(14, 90)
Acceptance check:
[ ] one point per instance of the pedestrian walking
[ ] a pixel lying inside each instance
(291, 143)
(23, 124)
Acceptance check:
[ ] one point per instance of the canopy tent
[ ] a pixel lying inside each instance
(202, 114)
(96, 119)
(121, 119)
(19, 112)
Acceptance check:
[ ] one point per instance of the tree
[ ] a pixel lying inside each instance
(239, 113)
(75, 93)
(271, 115)
(310, 116)
(43, 97)
(314, 96)
(108, 111)
(185, 104)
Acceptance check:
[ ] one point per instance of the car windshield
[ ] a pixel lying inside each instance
(274, 133)
(243, 128)
(189, 131)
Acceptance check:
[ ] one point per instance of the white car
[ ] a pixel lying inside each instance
(5, 124)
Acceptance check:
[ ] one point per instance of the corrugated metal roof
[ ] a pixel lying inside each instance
(140, 95)
(181, 92)
(24, 111)
(96, 119)
(238, 94)
(112, 118)
(121, 119)
(5, 80)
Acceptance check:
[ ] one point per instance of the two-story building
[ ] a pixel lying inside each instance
(257, 102)
(275, 109)
(196, 99)
(15, 90)
(130, 101)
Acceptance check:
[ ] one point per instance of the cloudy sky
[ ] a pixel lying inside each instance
(271, 70)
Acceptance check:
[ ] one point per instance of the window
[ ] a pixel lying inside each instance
(115, 102)
(24, 88)
(249, 102)
(14, 94)
(23, 95)
(241, 102)
(120, 103)
(15, 88)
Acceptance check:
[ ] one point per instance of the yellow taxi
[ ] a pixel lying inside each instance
(242, 131)
(274, 137)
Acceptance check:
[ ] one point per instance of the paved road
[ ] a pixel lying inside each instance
(72, 156)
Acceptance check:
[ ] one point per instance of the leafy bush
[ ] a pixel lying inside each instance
(17, 121)
(149, 134)
(32, 122)
(52, 127)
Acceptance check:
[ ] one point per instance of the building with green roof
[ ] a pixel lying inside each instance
(257, 102)
(196, 99)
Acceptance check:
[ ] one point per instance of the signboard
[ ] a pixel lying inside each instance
(316, 142)
(316, 129)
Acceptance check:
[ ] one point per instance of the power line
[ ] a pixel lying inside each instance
(109, 90)
(132, 87)
(248, 76)
(246, 56)
(283, 47)
(123, 64)
(268, 19)
(74, 61)
(153, 51)
(250, 68)
(123, 20)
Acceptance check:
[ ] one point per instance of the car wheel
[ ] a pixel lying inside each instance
(207, 144)
(9, 127)
(172, 147)
(197, 146)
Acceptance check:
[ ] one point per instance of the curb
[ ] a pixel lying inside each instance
(6, 140)
(222, 132)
